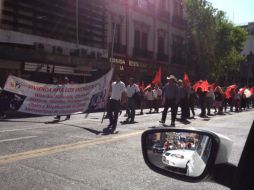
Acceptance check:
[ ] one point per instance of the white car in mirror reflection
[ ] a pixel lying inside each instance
(177, 158)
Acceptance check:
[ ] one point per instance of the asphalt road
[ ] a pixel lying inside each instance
(36, 153)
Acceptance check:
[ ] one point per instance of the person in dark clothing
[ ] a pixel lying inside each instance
(65, 81)
(219, 97)
(202, 102)
(142, 101)
(132, 89)
(183, 100)
(209, 99)
(192, 101)
(170, 95)
(4, 105)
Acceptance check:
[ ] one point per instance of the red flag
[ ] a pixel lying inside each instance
(186, 80)
(213, 86)
(242, 90)
(252, 90)
(197, 85)
(157, 78)
(201, 84)
(204, 86)
(229, 89)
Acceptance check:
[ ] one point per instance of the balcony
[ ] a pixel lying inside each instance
(118, 48)
(142, 53)
(162, 57)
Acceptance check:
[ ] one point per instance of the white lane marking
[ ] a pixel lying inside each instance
(44, 127)
(23, 129)
(16, 139)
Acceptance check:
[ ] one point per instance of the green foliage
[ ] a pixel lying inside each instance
(214, 43)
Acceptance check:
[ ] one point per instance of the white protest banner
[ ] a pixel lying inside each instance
(45, 99)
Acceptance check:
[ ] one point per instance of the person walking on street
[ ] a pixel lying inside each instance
(183, 98)
(219, 97)
(65, 81)
(202, 101)
(210, 99)
(169, 95)
(192, 101)
(117, 90)
(149, 96)
(142, 101)
(132, 90)
(157, 93)
(4, 102)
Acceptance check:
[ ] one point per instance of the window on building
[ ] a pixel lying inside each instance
(144, 40)
(117, 30)
(137, 39)
(161, 46)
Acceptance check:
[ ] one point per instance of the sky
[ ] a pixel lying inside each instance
(238, 11)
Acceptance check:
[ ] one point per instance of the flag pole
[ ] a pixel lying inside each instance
(112, 67)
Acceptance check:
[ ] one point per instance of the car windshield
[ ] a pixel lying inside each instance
(81, 80)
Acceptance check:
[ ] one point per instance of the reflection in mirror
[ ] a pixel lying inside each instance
(182, 153)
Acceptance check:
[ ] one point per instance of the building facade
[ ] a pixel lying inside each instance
(41, 39)
(147, 35)
(247, 67)
(82, 39)
(249, 44)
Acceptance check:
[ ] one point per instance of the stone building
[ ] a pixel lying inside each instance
(147, 34)
(43, 39)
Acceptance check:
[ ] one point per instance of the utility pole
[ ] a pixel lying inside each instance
(77, 26)
(113, 44)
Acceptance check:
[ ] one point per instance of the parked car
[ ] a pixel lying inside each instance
(177, 158)
(158, 148)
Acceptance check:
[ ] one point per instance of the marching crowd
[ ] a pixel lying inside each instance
(175, 94)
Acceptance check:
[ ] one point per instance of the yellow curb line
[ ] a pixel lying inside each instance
(62, 148)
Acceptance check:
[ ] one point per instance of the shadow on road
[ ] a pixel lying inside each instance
(128, 123)
(87, 129)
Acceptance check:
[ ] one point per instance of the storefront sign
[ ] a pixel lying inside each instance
(137, 64)
(117, 61)
(44, 99)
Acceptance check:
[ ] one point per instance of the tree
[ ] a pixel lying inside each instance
(214, 44)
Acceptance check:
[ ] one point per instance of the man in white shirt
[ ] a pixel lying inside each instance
(117, 90)
(132, 89)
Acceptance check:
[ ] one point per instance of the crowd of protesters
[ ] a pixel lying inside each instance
(181, 95)
(175, 94)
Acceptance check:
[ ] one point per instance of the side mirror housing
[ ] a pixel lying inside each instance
(184, 154)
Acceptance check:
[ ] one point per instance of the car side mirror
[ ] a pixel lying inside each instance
(188, 155)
